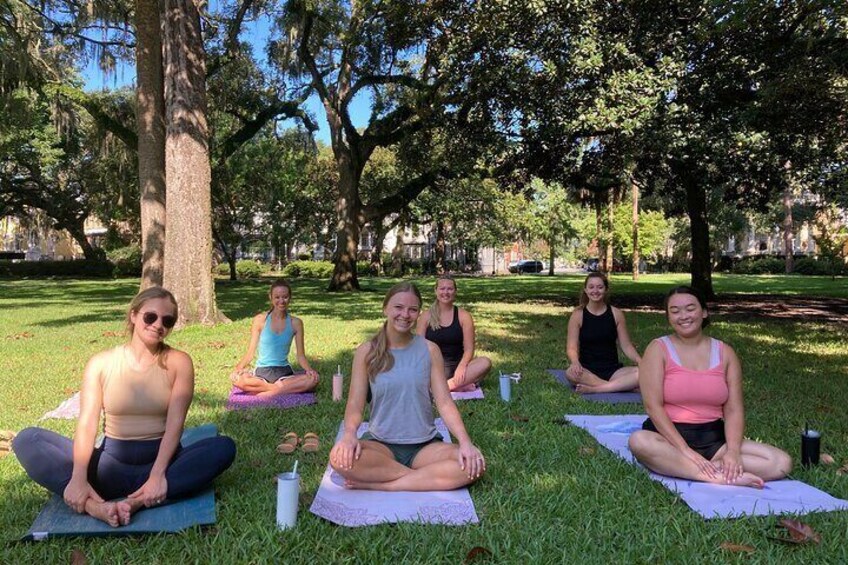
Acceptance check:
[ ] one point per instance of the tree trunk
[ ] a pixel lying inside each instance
(599, 229)
(78, 233)
(397, 252)
(609, 262)
(551, 257)
(150, 116)
(348, 226)
(634, 188)
(377, 249)
(696, 208)
(787, 227)
(188, 247)
(440, 247)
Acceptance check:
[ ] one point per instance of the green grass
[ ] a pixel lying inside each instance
(544, 500)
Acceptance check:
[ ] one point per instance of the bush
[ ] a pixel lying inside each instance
(760, 266)
(77, 268)
(223, 269)
(363, 269)
(248, 269)
(810, 266)
(308, 269)
(127, 261)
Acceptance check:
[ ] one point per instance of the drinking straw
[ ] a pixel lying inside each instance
(294, 470)
(339, 370)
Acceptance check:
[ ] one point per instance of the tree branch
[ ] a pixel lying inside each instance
(404, 195)
(233, 31)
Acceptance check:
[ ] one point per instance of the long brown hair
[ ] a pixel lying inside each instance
(435, 323)
(379, 358)
(140, 299)
(584, 298)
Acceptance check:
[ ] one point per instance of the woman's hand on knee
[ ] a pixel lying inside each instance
(346, 451)
(77, 494)
(153, 492)
(704, 466)
(471, 460)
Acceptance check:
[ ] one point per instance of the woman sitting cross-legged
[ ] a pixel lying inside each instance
(144, 388)
(452, 329)
(402, 450)
(692, 389)
(272, 332)
(595, 330)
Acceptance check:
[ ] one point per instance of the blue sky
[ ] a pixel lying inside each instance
(256, 33)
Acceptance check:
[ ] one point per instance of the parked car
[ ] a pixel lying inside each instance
(527, 266)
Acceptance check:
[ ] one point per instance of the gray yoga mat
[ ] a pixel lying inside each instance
(56, 519)
(606, 397)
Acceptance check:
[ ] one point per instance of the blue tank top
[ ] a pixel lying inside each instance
(274, 347)
(401, 408)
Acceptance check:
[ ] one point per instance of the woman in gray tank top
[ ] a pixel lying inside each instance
(402, 449)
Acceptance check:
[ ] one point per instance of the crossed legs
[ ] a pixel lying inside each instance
(435, 467)
(474, 373)
(761, 462)
(624, 379)
(289, 385)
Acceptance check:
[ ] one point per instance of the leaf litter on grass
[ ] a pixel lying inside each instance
(736, 547)
(799, 532)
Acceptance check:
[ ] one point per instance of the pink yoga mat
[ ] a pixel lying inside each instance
(355, 508)
(710, 500)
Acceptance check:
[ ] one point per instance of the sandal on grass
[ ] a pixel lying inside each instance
(310, 442)
(289, 443)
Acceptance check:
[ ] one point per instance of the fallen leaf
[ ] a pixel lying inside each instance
(842, 470)
(111, 333)
(518, 418)
(736, 547)
(305, 499)
(22, 335)
(827, 459)
(203, 390)
(255, 462)
(217, 344)
(561, 422)
(69, 391)
(586, 450)
(78, 557)
(799, 532)
(478, 552)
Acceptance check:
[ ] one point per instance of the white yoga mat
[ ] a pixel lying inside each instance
(68, 410)
(476, 394)
(355, 508)
(711, 500)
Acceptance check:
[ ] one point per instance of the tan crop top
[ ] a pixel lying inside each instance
(135, 403)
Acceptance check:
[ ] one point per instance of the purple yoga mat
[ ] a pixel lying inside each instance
(476, 394)
(606, 397)
(355, 508)
(240, 400)
(68, 410)
(709, 500)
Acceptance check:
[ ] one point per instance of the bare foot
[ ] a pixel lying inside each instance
(591, 389)
(462, 388)
(126, 508)
(749, 480)
(104, 511)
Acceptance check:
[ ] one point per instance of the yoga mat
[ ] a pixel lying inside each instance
(240, 400)
(476, 394)
(606, 397)
(710, 500)
(355, 508)
(58, 520)
(68, 410)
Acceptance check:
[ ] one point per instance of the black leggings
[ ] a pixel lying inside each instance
(120, 467)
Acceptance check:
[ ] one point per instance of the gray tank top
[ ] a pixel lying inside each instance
(401, 409)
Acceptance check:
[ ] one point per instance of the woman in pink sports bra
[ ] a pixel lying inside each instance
(692, 389)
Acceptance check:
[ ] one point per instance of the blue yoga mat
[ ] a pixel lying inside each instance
(57, 519)
(606, 397)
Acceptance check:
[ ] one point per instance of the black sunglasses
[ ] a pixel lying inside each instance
(151, 317)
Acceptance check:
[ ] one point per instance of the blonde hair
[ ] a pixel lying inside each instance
(584, 298)
(379, 358)
(140, 299)
(435, 323)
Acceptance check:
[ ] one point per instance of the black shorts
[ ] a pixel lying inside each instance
(603, 371)
(450, 368)
(705, 438)
(404, 453)
(273, 374)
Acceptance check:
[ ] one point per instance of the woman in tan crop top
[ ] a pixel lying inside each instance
(144, 388)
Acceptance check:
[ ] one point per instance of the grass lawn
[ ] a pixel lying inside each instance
(551, 495)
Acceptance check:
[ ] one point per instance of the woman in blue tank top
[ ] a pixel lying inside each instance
(272, 332)
(402, 449)
(595, 329)
(452, 329)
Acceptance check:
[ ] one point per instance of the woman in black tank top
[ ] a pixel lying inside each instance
(452, 329)
(595, 330)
